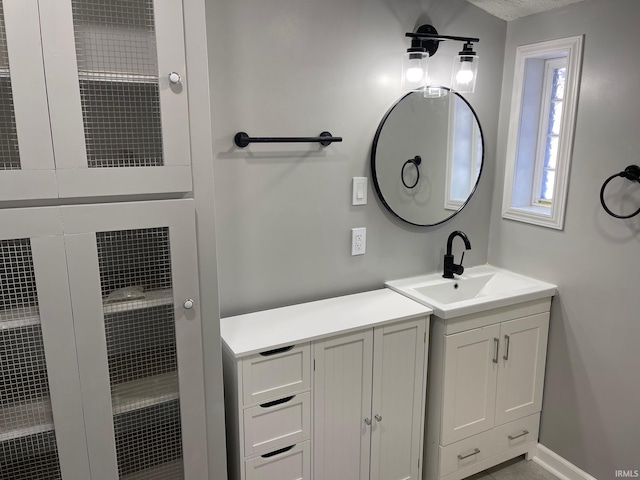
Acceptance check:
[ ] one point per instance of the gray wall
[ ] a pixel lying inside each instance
(298, 67)
(591, 406)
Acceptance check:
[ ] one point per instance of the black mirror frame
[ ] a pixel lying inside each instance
(373, 161)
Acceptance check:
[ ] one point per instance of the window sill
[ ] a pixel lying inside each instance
(542, 216)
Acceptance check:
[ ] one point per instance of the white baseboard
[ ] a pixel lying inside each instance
(561, 468)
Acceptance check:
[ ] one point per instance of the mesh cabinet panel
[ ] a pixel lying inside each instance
(9, 153)
(136, 282)
(118, 68)
(27, 441)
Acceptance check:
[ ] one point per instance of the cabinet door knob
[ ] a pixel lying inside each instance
(367, 421)
(175, 78)
(378, 418)
(188, 304)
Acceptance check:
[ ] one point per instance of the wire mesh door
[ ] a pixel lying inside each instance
(136, 286)
(9, 152)
(28, 449)
(118, 68)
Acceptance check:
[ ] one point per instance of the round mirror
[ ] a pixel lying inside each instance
(427, 157)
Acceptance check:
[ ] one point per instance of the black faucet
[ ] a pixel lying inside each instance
(449, 267)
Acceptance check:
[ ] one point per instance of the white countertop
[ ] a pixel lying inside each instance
(256, 332)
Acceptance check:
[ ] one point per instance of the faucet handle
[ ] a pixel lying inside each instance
(462, 258)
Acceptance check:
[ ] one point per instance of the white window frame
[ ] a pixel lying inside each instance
(451, 203)
(521, 174)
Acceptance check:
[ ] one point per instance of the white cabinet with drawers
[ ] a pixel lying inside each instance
(335, 387)
(486, 378)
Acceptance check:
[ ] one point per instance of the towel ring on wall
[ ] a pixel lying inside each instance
(417, 160)
(632, 172)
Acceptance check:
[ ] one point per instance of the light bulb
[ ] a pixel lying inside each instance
(414, 74)
(464, 76)
(414, 70)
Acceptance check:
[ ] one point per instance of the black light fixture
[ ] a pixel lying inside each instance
(425, 42)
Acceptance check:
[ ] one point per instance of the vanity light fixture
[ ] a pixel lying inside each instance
(425, 42)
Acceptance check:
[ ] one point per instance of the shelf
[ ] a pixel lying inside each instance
(153, 298)
(30, 410)
(112, 77)
(166, 471)
(23, 317)
(130, 396)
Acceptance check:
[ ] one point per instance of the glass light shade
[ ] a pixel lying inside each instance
(465, 73)
(414, 71)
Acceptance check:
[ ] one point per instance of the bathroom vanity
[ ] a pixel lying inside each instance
(336, 387)
(486, 367)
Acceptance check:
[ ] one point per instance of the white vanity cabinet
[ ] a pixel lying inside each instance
(93, 99)
(325, 390)
(485, 388)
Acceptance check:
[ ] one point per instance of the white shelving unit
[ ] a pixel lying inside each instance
(26, 418)
(145, 392)
(133, 368)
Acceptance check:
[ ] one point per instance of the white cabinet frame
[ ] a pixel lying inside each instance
(75, 179)
(36, 179)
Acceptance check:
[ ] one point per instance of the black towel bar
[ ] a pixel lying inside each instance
(242, 139)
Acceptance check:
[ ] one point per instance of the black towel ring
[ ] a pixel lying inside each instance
(417, 160)
(632, 172)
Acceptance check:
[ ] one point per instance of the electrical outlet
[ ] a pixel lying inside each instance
(358, 241)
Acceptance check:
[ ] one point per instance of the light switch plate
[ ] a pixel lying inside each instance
(359, 191)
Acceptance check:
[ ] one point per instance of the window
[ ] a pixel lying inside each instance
(464, 153)
(544, 100)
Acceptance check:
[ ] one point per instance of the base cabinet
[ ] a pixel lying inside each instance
(485, 389)
(366, 420)
(102, 377)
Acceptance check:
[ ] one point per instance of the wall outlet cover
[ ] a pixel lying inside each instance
(358, 241)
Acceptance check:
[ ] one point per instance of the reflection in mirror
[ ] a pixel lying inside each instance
(427, 157)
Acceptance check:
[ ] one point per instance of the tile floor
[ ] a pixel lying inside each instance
(516, 469)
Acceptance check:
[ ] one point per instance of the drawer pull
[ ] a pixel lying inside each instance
(277, 402)
(507, 341)
(496, 342)
(524, 432)
(475, 452)
(277, 351)
(277, 452)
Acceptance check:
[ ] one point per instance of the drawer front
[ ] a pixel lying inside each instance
(277, 424)
(288, 464)
(478, 448)
(276, 373)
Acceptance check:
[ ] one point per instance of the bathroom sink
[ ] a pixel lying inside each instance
(478, 289)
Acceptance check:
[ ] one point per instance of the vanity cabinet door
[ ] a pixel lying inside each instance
(522, 362)
(398, 371)
(469, 394)
(342, 403)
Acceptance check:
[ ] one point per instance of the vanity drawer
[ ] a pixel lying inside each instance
(276, 373)
(277, 424)
(285, 464)
(478, 448)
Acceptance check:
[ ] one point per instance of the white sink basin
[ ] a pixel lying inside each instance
(478, 289)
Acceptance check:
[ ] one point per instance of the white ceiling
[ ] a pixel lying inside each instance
(512, 9)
